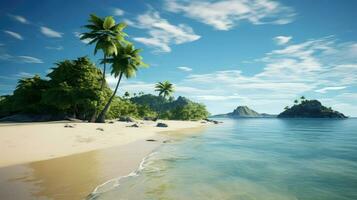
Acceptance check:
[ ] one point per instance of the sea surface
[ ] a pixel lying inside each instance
(246, 159)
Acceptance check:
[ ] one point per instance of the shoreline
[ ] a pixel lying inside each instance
(77, 174)
(30, 142)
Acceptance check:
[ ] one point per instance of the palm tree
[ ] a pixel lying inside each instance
(126, 95)
(286, 108)
(164, 88)
(302, 98)
(296, 101)
(126, 63)
(107, 35)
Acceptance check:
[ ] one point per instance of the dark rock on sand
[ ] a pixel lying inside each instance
(69, 126)
(134, 125)
(126, 119)
(163, 125)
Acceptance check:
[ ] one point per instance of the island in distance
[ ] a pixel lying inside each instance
(303, 109)
(244, 112)
(310, 109)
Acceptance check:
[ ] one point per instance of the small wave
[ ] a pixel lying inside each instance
(115, 182)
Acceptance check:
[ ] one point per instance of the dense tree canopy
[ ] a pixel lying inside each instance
(72, 90)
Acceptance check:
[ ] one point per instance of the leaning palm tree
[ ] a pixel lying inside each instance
(106, 35)
(125, 63)
(165, 88)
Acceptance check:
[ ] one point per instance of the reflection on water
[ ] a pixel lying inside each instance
(253, 159)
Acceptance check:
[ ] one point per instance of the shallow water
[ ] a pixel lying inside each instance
(246, 159)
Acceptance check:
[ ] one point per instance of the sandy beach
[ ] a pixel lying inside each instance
(51, 161)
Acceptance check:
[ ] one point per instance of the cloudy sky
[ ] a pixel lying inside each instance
(223, 53)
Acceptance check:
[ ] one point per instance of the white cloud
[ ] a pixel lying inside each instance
(50, 32)
(225, 14)
(118, 12)
(29, 59)
(20, 19)
(325, 89)
(49, 71)
(130, 85)
(24, 75)
(58, 48)
(19, 59)
(161, 33)
(14, 35)
(185, 69)
(294, 70)
(78, 35)
(281, 40)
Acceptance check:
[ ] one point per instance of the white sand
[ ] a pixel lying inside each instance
(24, 143)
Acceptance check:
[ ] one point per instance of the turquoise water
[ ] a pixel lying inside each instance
(246, 159)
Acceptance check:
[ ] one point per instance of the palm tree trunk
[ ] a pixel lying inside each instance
(101, 117)
(104, 68)
(94, 116)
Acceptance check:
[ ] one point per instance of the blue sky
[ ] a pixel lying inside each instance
(223, 53)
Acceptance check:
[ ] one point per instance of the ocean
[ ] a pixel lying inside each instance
(249, 159)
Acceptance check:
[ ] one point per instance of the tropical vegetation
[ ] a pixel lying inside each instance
(78, 89)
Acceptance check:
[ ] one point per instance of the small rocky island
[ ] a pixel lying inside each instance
(244, 112)
(310, 109)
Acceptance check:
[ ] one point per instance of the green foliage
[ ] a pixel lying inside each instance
(72, 90)
(190, 111)
(6, 105)
(179, 109)
(310, 109)
(105, 34)
(164, 88)
(122, 107)
(127, 61)
(28, 94)
(156, 103)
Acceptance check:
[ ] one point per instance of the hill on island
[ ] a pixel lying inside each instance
(310, 109)
(244, 112)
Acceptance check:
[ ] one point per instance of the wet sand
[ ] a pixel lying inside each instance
(71, 177)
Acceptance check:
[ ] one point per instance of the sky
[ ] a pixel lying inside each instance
(223, 53)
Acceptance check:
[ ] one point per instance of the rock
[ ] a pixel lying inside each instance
(244, 112)
(213, 121)
(166, 141)
(134, 125)
(151, 140)
(111, 122)
(150, 118)
(163, 125)
(126, 119)
(69, 126)
(100, 129)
